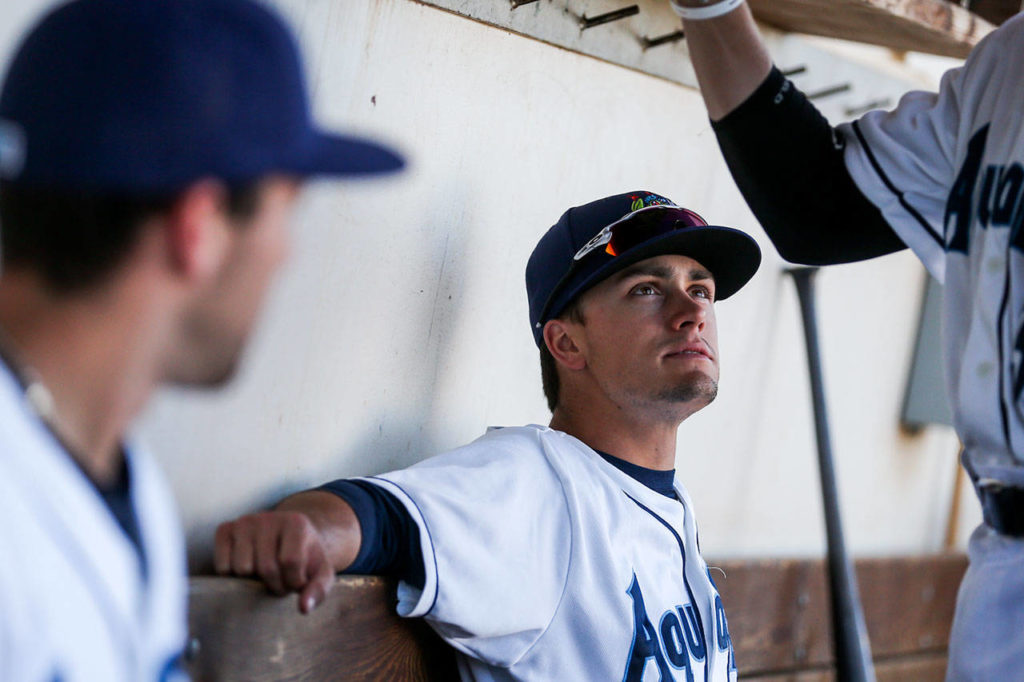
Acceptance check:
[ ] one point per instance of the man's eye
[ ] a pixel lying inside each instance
(644, 290)
(702, 292)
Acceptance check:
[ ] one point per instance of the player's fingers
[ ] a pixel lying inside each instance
(266, 539)
(320, 582)
(298, 540)
(242, 547)
(222, 541)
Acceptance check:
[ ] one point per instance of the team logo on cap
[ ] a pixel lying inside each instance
(649, 200)
(12, 149)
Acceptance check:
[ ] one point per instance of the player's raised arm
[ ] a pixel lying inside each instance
(297, 547)
(787, 160)
(728, 54)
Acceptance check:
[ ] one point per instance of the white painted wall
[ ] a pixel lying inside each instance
(399, 328)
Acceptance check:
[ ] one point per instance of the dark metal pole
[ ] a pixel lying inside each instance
(850, 636)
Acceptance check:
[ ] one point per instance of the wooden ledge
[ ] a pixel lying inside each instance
(778, 619)
(933, 26)
(780, 622)
(239, 632)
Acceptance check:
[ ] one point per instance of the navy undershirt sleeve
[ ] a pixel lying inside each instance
(391, 538)
(788, 163)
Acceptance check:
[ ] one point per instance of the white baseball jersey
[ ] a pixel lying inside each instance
(545, 562)
(947, 171)
(75, 604)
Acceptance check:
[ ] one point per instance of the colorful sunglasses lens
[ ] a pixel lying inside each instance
(639, 229)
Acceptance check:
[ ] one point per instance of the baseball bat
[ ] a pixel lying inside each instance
(849, 634)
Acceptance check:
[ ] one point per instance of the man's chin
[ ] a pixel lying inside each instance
(210, 375)
(222, 377)
(701, 390)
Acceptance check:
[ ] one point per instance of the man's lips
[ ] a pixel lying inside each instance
(690, 350)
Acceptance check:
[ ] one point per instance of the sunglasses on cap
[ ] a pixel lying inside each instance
(636, 228)
(626, 233)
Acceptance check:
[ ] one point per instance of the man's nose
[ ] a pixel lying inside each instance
(685, 310)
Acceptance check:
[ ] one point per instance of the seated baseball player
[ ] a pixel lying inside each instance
(565, 552)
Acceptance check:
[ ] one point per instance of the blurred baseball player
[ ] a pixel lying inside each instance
(942, 174)
(149, 155)
(566, 552)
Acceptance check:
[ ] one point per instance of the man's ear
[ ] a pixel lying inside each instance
(197, 230)
(562, 344)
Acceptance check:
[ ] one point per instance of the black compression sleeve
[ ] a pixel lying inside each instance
(391, 538)
(788, 163)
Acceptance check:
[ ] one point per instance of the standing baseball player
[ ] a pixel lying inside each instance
(943, 175)
(566, 552)
(149, 155)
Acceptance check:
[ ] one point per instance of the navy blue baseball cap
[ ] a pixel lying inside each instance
(590, 243)
(142, 96)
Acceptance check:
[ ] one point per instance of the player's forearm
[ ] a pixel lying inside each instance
(729, 57)
(334, 520)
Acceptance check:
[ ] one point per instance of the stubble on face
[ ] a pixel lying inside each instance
(701, 389)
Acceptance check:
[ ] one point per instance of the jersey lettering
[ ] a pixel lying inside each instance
(722, 627)
(1018, 382)
(694, 634)
(645, 640)
(724, 641)
(960, 206)
(675, 643)
(1007, 199)
(678, 641)
(1000, 204)
(173, 670)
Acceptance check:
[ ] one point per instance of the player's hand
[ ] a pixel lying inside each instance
(283, 548)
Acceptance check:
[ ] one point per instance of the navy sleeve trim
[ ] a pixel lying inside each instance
(788, 162)
(419, 553)
(892, 187)
(390, 536)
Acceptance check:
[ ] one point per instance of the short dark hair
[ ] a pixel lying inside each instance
(74, 239)
(548, 365)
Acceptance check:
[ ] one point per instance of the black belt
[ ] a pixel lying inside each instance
(1003, 508)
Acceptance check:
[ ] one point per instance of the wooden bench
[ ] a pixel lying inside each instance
(778, 617)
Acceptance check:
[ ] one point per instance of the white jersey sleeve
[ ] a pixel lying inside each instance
(907, 160)
(489, 515)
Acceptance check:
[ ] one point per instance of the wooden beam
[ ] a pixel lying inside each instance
(932, 26)
(928, 668)
(778, 620)
(779, 610)
(241, 633)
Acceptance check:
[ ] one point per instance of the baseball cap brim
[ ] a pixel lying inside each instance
(337, 155)
(730, 255)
